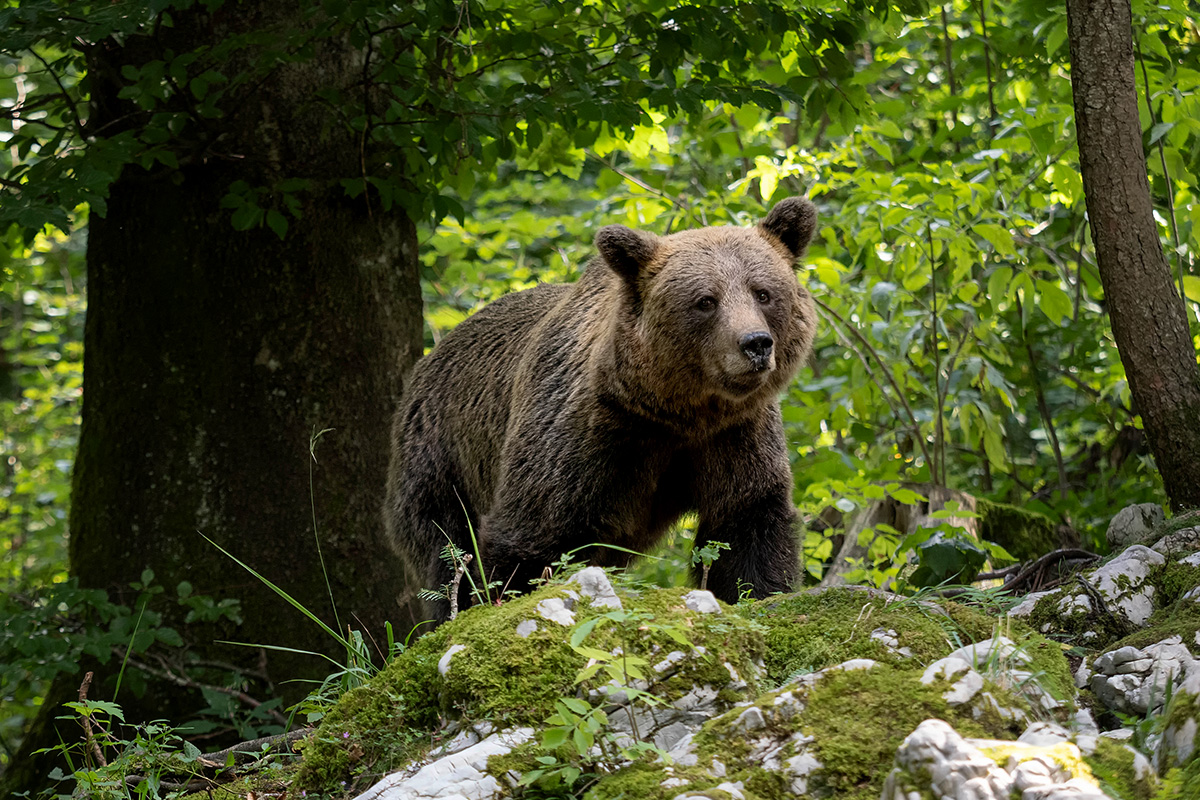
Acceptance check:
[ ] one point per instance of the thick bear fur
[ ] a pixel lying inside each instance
(598, 412)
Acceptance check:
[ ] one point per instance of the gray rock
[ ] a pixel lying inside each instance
(964, 689)
(554, 609)
(444, 661)
(1137, 681)
(750, 720)
(1134, 523)
(1045, 734)
(596, 586)
(891, 640)
(526, 628)
(1178, 743)
(934, 761)
(459, 776)
(702, 602)
(1184, 540)
(1123, 582)
(999, 650)
(1025, 607)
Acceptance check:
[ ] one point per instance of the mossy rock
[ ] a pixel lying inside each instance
(850, 721)
(1054, 615)
(856, 719)
(1113, 765)
(1026, 535)
(809, 631)
(508, 680)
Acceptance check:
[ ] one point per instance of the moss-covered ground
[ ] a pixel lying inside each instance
(856, 719)
(510, 681)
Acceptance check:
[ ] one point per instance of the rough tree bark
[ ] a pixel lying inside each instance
(212, 356)
(1149, 319)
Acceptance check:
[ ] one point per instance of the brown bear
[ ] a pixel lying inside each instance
(597, 413)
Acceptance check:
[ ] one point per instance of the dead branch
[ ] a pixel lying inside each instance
(1035, 573)
(86, 720)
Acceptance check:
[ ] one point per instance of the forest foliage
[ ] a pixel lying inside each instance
(963, 337)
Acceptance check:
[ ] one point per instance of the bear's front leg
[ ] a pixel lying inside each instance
(745, 500)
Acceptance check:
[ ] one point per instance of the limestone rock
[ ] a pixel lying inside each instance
(936, 761)
(554, 609)
(1185, 540)
(1134, 523)
(1179, 742)
(596, 586)
(459, 776)
(1136, 681)
(1122, 582)
(444, 661)
(702, 602)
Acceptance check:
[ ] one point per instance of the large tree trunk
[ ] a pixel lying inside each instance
(1149, 319)
(211, 358)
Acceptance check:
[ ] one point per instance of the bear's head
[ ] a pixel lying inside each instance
(713, 318)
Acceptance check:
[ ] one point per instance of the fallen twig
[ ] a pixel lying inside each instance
(216, 762)
(217, 759)
(1037, 568)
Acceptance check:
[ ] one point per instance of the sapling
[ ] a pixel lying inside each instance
(705, 556)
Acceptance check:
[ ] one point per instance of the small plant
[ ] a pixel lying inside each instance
(947, 553)
(578, 740)
(458, 560)
(705, 557)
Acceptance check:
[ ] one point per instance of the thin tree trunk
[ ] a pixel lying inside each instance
(1148, 318)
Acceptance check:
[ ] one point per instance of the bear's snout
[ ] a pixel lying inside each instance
(757, 346)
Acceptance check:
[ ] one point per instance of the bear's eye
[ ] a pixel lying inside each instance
(763, 296)
(707, 303)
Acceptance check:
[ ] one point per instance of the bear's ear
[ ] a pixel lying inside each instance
(626, 250)
(793, 222)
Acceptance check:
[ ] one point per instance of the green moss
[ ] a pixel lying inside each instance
(1072, 621)
(1172, 580)
(1112, 765)
(1182, 708)
(1049, 666)
(1065, 754)
(510, 681)
(1024, 534)
(859, 719)
(1180, 783)
(643, 781)
(377, 726)
(807, 632)
(1188, 519)
(270, 782)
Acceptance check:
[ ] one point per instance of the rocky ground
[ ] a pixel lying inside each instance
(1090, 690)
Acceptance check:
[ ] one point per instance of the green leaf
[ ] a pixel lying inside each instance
(997, 236)
(277, 222)
(1055, 38)
(1053, 301)
(583, 741)
(889, 128)
(1191, 287)
(1160, 130)
(997, 287)
(554, 738)
(576, 705)
(583, 630)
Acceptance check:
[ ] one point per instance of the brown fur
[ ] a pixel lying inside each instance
(598, 412)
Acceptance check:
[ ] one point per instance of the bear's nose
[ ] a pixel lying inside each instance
(757, 347)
